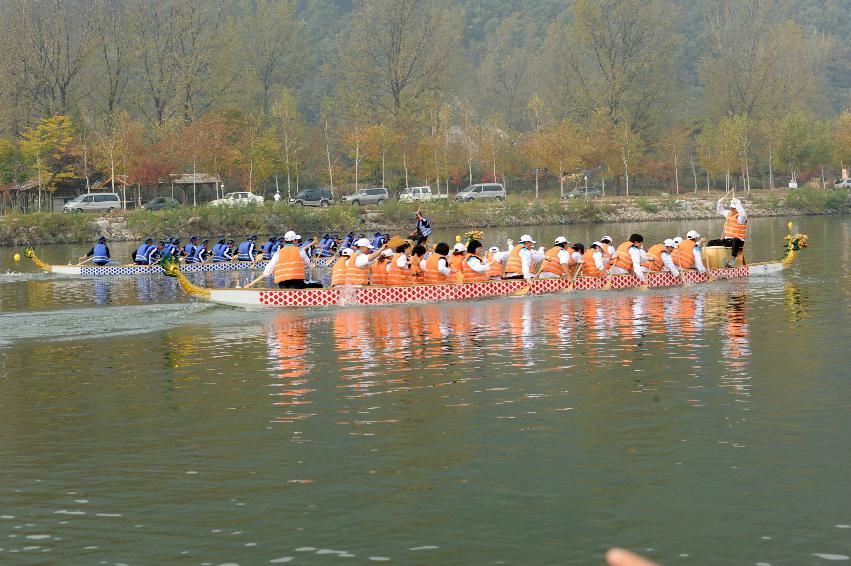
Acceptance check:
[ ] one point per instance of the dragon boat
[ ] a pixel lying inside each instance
(155, 269)
(389, 295)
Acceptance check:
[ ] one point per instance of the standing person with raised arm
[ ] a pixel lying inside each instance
(423, 229)
(735, 228)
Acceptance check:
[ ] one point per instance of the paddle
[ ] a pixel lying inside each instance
(570, 286)
(85, 260)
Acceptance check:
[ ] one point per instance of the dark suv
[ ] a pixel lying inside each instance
(313, 197)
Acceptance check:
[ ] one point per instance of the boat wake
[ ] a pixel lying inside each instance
(18, 276)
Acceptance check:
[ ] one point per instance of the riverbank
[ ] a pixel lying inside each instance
(237, 222)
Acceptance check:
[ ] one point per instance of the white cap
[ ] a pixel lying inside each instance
(561, 240)
(363, 243)
(346, 251)
(459, 247)
(678, 239)
(297, 237)
(669, 243)
(598, 244)
(527, 238)
(609, 238)
(387, 253)
(493, 249)
(692, 235)
(735, 203)
(289, 236)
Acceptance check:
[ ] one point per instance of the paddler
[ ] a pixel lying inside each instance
(267, 246)
(474, 268)
(735, 228)
(661, 259)
(495, 258)
(156, 252)
(556, 260)
(687, 254)
(629, 256)
(576, 255)
(399, 267)
(592, 261)
(436, 269)
(201, 251)
(609, 251)
(223, 253)
(141, 255)
(245, 252)
(189, 250)
(418, 262)
(363, 259)
(457, 256)
(522, 258)
(378, 274)
(99, 252)
(288, 265)
(339, 271)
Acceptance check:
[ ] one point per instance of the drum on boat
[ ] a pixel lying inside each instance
(716, 257)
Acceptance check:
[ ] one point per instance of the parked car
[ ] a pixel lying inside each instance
(418, 194)
(375, 195)
(241, 198)
(593, 192)
(161, 203)
(482, 191)
(842, 184)
(93, 202)
(313, 197)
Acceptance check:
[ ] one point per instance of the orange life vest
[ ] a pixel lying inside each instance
(379, 273)
(589, 268)
(571, 262)
(495, 269)
(554, 264)
(338, 272)
(514, 263)
(655, 257)
(357, 275)
(455, 261)
(432, 275)
(683, 256)
(397, 276)
(471, 276)
(622, 257)
(289, 266)
(732, 228)
(416, 271)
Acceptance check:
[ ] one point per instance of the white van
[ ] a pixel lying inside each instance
(482, 191)
(418, 194)
(93, 202)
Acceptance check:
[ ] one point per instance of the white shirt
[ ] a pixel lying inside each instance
(668, 264)
(577, 257)
(277, 197)
(598, 260)
(698, 259)
(362, 261)
(270, 267)
(529, 257)
(401, 262)
(636, 255)
(477, 265)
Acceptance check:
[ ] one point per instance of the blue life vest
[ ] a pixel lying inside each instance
(199, 254)
(189, 250)
(221, 254)
(153, 255)
(267, 250)
(169, 249)
(245, 251)
(101, 254)
(141, 254)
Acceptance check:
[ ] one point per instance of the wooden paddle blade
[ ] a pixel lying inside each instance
(395, 242)
(523, 291)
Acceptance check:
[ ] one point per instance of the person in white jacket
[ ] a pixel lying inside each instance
(528, 257)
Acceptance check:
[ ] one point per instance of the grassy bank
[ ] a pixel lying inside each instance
(237, 222)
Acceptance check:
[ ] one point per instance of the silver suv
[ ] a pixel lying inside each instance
(375, 195)
(93, 202)
(482, 191)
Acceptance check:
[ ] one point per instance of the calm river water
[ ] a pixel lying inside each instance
(707, 425)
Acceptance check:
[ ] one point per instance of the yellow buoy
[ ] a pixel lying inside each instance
(790, 226)
(457, 239)
(17, 257)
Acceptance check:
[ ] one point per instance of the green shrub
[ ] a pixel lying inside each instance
(646, 205)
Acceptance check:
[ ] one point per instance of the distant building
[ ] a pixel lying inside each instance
(206, 186)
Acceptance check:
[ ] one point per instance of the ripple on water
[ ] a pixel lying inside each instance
(826, 556)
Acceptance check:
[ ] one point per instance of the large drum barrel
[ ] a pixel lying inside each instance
(715, 257)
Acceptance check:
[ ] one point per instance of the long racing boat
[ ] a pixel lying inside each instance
(155, 269)
(388, 295)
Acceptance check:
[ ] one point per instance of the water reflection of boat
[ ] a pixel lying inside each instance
(133, 269)
(415, 294)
